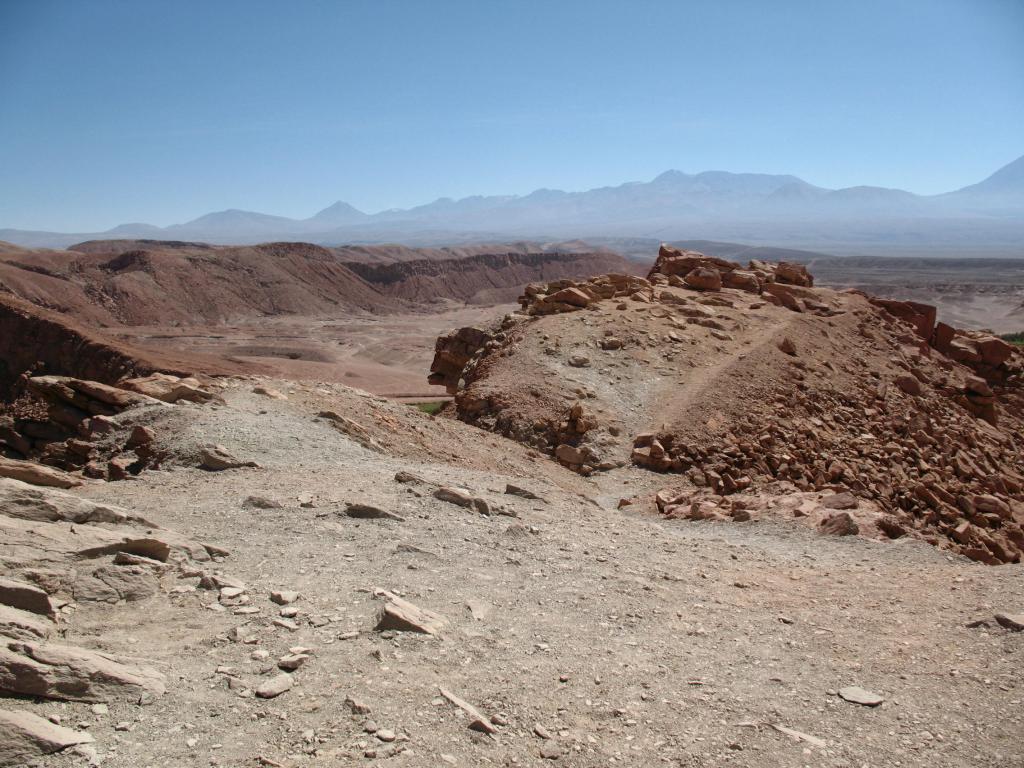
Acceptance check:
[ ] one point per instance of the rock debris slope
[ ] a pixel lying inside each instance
(748, 383)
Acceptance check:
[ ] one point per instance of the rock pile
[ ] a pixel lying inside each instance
(77, 425)
(710, 273)
(570, 295)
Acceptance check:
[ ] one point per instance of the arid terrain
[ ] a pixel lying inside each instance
(707, 514)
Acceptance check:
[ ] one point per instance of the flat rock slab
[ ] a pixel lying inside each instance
(24, 625)
(25, 737)
(477, 721)
(37, 474)
(462, 498)
(523, 493)
(403, 616)
(845, 500)
(24, 540)
(25, 597)
(65, 672)
(370, 512)
(30, 502)
(1012, 621)
(857, 695)
(275, 686)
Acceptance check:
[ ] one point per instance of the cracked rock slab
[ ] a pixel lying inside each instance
(65, 672)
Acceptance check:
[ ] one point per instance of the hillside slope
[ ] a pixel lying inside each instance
(154, 283)
(748, 381)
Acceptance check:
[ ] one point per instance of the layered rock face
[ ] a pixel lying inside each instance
(740, 378)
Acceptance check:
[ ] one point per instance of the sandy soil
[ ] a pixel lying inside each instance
(383, 354)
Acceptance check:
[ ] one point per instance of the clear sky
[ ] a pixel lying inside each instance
(113, 112)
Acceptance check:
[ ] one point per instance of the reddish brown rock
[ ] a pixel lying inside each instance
(704, 279)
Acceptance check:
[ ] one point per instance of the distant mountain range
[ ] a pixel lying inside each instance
(986, 218)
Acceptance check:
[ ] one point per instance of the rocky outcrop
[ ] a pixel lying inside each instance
(570, 296)
(75, 425)
(35, 339)
(453, 352)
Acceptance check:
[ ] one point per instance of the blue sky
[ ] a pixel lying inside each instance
(113, 112)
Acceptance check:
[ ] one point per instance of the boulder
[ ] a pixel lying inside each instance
(569, 454)
(994, 351)
(783, 296)
(704, 279)
(920, 316)
(275, 686)
(839, 524)
(462, 498)
(572, 296)
(977, 386)
(909, 384)
(216, 458)
(793, 274)
(741, 280)
(844, 500)
(401, 615)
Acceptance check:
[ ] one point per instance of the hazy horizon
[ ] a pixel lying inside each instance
(115, 112)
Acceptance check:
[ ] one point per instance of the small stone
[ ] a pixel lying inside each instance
(385, 735)
(857, 695)
(549, 750)
(292, 661)
(283, 597)
(356, 706)
(275, 686)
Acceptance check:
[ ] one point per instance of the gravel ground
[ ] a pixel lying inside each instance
(591, 636)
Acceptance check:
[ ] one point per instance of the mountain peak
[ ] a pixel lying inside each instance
(338, 210)
(1010, 174)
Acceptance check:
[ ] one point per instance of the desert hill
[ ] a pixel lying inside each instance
(750, 380)
(297, 308)
(150, 282)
